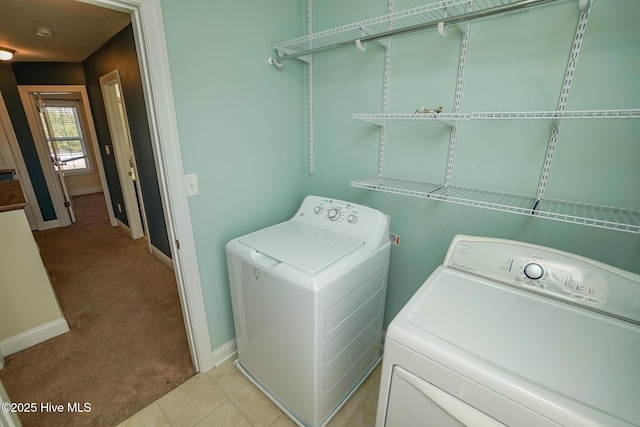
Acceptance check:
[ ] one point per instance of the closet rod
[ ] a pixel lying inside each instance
(418, 27)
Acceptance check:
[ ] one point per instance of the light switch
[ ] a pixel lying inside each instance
(191, 181)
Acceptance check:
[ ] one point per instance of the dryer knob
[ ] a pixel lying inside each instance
(534, 271)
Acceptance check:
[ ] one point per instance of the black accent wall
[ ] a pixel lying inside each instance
(9, 88)
(48, 73)
(120, 53)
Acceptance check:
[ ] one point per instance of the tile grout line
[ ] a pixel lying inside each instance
(161, 411)
(238, 409)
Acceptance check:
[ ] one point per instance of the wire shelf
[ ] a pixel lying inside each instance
(608, 217)
(612, 218)
(380, 119)
(402, 19)
(495, 200)
(397, 185)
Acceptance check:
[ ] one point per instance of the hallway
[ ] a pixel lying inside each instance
(127, 344)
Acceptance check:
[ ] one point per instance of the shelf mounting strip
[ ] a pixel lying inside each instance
(385, 93)
(564, 95)
(310, 145)
(464, 48)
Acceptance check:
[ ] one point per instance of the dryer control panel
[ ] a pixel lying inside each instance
(348, 219)
(549, 272)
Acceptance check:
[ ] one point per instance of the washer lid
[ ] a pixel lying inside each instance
(531, 342)
(304, 247)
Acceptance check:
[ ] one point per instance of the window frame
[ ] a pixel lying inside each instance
(75, 106)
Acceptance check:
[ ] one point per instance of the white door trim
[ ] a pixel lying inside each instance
(8, 418)
(55, 190)
(22, 174)
(122, 150)
(148, 28)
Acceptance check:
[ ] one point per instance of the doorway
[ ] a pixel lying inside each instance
(152, 52)
(63, 131)
(111, 85)
(148, 27)
(87, 173)
(151, 48)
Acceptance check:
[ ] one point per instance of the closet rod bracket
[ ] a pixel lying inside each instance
(283, 53)
(273, 61)
(366, 32)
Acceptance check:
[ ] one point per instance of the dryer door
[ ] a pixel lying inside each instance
(416, 402)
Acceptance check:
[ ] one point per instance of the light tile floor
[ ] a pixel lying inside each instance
(224, 397)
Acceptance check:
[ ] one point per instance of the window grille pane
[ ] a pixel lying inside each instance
(66, 142)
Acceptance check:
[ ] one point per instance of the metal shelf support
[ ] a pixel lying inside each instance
(564, 95)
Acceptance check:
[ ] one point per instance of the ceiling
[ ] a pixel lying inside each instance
(79, 29)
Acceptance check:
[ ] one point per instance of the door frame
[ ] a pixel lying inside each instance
(7, 418)
(27, 96)
(151, 48)
(121, 143)
(22, 174)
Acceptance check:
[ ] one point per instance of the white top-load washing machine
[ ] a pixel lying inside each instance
(512, 334)
(308, 300)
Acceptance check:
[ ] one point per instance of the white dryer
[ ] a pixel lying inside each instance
(308, 300)
(512, 334)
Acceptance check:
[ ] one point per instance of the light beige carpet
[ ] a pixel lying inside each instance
(127, 344)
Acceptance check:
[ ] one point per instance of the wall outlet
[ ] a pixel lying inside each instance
(395, 239)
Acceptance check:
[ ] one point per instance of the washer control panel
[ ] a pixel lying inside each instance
(336, 210)
(549, 272)
(346, 218)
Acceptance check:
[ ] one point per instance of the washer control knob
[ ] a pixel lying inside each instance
(318, 210)
(533, 270)
(334, 214)
(352, 219)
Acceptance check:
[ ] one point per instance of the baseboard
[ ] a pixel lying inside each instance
(123, 227)
(162, 257)
(34, 336)
(224, 352)
(48, 225)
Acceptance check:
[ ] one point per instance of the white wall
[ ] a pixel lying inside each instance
(29, 310)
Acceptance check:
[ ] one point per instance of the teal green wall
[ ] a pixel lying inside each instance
(514, 63)
(242, 128)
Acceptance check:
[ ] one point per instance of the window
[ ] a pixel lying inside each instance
(63, 131)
